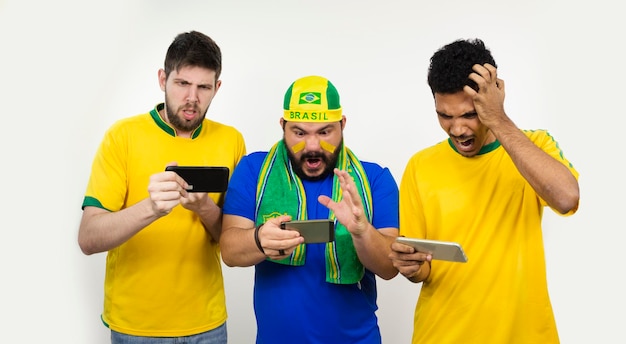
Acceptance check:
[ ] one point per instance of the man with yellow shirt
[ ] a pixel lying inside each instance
(163, 269)
(484, 187)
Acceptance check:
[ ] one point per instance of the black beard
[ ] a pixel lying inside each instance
(330, 163)
(180, 124)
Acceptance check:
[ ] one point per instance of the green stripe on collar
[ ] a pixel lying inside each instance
(154, 113)
(483, 150)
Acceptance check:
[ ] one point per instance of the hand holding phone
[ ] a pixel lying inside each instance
(313, 231)
(203, 178)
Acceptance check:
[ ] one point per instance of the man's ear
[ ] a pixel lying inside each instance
(162, 79)
(218, 83)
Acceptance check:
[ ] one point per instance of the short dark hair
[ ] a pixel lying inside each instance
(193, 49)
(451, 65)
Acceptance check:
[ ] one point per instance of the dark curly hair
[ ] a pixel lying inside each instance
(451, 65)
(193, 49)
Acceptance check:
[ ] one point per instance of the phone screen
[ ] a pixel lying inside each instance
(313, 231)
(203, 178)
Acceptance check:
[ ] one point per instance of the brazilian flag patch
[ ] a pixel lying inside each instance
(310, 98)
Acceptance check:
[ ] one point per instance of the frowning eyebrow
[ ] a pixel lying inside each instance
(324, 128)
(185, 82)
(471, 114)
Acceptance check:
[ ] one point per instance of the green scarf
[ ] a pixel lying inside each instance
(280, 191)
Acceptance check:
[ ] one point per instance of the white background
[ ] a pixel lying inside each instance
(71, 68)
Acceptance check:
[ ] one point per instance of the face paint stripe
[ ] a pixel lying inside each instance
(298, 147)
(327, 147)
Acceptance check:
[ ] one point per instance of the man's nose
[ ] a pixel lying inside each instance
(192, 96)
(312, 143)
(457, 128)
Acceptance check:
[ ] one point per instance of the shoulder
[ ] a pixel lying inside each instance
(135, 119)
(372, 167)
(258, 156)
(377, 173)
(540, 137)
(252, 161)
(432, 151)
(535, 133)
(217, 127)
(130, 124)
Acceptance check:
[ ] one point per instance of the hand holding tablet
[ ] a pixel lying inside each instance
(441, 250)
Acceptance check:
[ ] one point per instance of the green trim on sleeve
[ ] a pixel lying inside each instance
(92, 202)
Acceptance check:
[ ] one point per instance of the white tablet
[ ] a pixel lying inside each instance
(441, 250)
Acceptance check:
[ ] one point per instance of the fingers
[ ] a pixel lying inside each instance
(484, 76)
(349, 210)
(406, 255)
(350, 194)
(348, 186)
(406, 267)
(486, 71)
(276, 242)
(195, 201)
(194, 197)
(167, 181)
(173, 177)
(165, 190)
(279, 254)
(500, 84)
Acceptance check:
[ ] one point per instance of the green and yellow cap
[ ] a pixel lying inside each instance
(312, 99)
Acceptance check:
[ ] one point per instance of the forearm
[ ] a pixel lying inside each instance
(211, 216)
(101, 230)
(552, 181)
(239, 247)
(373, 248)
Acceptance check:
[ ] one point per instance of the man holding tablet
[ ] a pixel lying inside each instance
(485, 188)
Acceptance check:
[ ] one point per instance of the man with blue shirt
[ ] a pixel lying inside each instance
(312, 292)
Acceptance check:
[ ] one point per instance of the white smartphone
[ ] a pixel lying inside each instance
(313, 231)
(441, 250)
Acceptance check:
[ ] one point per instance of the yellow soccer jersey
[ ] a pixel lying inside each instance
(167, 279)
(500, 295)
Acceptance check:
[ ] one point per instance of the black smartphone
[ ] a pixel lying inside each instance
(203, 178)
(313, 231)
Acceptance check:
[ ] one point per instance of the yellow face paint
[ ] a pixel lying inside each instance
(327, 146)
(298, 147)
